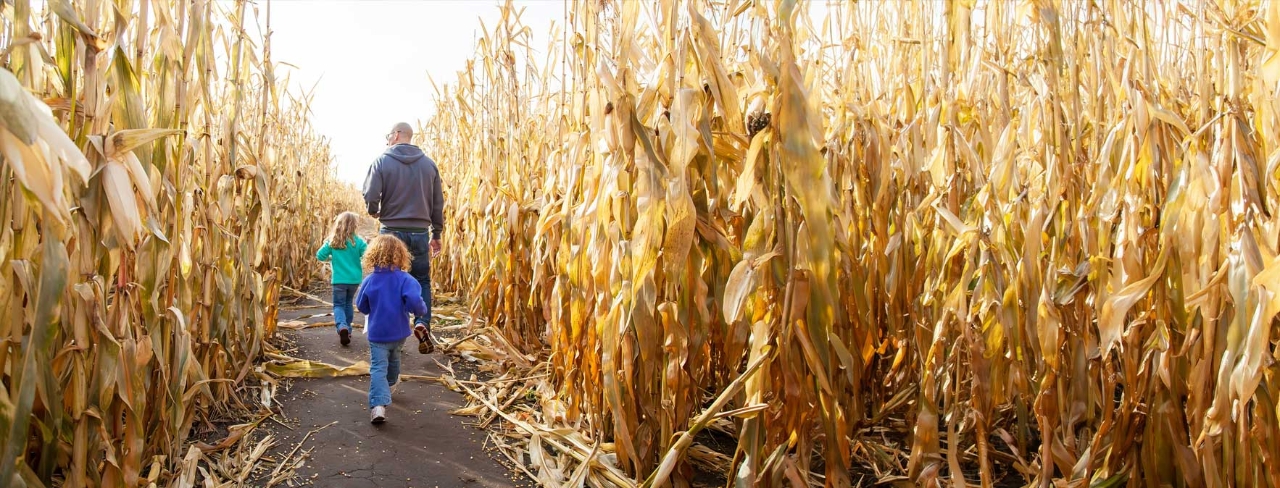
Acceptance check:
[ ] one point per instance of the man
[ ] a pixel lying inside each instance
(403, 192)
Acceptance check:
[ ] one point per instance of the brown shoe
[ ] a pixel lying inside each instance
(425, 344)
(344, 336)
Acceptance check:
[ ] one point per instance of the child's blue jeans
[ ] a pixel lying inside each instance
(344, 296)
(384, 371)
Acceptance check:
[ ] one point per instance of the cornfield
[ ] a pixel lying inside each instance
(913, 241)
(152, 161)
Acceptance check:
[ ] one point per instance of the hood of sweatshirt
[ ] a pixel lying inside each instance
(405, 153)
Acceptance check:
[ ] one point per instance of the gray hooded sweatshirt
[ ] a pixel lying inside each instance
(403, 190)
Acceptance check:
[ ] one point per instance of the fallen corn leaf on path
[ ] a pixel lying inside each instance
(420, 445)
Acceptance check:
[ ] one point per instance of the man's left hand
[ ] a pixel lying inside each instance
(435, 247)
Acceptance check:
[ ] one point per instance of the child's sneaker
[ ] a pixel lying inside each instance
(344, 336)
(378, 415)
(425, 344)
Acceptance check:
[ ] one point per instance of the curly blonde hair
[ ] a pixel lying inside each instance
(387, 252)
(343, 230)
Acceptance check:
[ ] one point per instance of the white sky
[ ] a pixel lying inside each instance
(371, 58)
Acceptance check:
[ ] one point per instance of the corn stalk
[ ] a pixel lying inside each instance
(151, 167)
(1040, 235)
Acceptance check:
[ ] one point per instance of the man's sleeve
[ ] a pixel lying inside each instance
(437, 208)
(373, 189)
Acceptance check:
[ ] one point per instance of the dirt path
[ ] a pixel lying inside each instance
(420, 445)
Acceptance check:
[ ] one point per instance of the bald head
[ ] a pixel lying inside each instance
(401, 133)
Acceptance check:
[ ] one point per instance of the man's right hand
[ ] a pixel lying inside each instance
(435, 247)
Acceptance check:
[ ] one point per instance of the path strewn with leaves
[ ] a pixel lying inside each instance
(420, 445)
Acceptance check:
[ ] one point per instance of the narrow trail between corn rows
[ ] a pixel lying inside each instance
(420, 445)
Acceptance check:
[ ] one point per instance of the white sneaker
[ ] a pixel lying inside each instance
(378, 415)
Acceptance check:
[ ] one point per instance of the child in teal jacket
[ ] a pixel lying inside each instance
(345, 249)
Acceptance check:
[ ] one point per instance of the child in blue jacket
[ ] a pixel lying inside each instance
(387, 297)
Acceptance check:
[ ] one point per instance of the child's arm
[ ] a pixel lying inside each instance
(362, 300)
(412, 296)
(325, 252)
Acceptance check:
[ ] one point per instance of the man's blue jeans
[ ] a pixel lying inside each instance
(419, 244)
(384, 371)
(344, 296)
